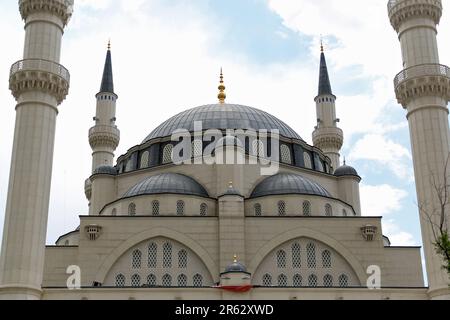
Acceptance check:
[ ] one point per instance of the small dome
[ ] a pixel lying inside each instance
(172, 183)
(236, 267)
(286, 183)
(345, 171)
(106, 170)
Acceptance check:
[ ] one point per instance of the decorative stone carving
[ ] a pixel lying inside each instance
(42, 75)
(104, 136)
(93, 231)
(402, 10)
(328, 138)
(369, 232)
(62, 8)
(422, 80)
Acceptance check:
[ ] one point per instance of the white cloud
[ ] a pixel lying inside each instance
(379, 148)
(396, 235)
(381, 200)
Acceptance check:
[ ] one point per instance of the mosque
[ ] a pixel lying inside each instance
(222, 201)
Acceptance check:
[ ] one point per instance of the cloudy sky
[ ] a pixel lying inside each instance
(167, 55)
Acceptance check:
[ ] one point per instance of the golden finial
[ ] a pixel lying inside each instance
(235, 258)
(222, 95)
(109, 44)
(230, 184)
(321, 43)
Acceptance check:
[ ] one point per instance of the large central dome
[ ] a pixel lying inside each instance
(222, 117)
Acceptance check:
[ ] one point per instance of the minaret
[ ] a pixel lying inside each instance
(104, 136)
(327, 136)
(423, 89)
(39, 84)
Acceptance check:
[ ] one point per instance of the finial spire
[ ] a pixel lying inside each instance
(222, 95)
(321, 43)
(324, 79)
(107, 79)
(235, 258)
(109, 44)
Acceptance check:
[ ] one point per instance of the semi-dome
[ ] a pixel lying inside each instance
(222, 117)
(285, 183)
(172, 183)
(345, 171)
(235, 267)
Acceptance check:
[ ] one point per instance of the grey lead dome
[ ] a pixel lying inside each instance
(286, 183)
(172, 183)
(222, 117)
(345, 171)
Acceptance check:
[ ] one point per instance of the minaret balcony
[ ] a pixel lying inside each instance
(422, 80)
(327, 138)
(61, 8)
(104, 136)
(402, 10)
(38, 74)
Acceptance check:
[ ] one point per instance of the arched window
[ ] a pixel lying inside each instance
(320, 166)
(326, 259)
(152, 255)
(182, 259)
(132, 209)
(285, 154)
(343, 281)
(114, 212)
(180, 208)
(328, 210)
(120, 280)
(267, 280)
(344, 213)
(155, 208)
(282, 280)
(307, 160)
(197, 148)
(311, 255)
(296, 257)
(167, 280)
(258, 210)
(328, 281)
(129, 166)
(281, 208)
(167, 255)
(167, 154)
(297, 280)
(197, 280)
(151, 280)
(136, 259)
(135, 280)
(203, 209)
(307, 208)
(258, 149)
(66, 243)
(312, 280)
(182, 280)
(144, 160)
(281, 259)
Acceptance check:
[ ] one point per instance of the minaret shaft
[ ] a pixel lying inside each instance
(423, 88)
(39, 84)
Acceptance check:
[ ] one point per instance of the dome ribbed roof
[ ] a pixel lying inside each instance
(236, 267)
(285, 183)
(345, 171)
(172, 183)
(223, 116)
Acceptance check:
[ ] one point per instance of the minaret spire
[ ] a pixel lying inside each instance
(107, 80)
(324, 79)
(222, 95)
